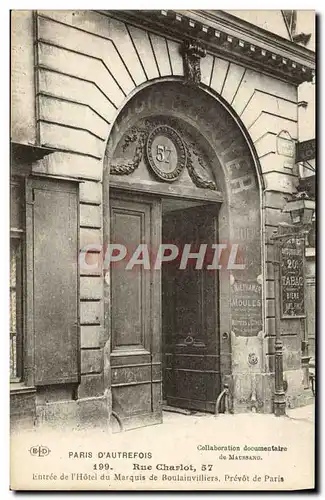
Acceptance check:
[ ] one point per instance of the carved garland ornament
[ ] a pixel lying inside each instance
(197, 179)
(136, 134)
(160, 161)
(195, 176)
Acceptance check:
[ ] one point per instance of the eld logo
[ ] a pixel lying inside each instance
(39, 451)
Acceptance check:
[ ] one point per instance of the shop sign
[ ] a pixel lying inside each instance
(292, 285)
(246, 306)
(306, 150)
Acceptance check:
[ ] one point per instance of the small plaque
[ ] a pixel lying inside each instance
(252, 359)
(166, 153)
(286, 146)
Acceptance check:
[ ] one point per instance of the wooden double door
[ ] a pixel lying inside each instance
(190, 333)
(164, 322)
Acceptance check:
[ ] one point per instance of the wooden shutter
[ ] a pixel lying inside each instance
(54, 259)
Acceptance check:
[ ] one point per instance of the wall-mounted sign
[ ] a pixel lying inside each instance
(166, 153)
(292, 278)
(285, 145)
(306, 150)
(246, 307)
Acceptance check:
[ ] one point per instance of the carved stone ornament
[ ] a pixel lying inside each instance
(197, 179)
(252, 359)
(192, 52)
(166, 153)
(137, 135)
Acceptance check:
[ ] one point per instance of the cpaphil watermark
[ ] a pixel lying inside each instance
(215, 256)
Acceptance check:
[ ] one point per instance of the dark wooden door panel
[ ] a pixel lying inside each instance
(190, 327)
(135, 313)
(130, 226)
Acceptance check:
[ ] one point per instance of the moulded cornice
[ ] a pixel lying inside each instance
(254, 34)
(234, 39)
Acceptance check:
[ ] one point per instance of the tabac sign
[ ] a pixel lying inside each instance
(292, 277)
(306, 150)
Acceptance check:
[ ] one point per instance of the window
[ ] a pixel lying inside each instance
(16, 281)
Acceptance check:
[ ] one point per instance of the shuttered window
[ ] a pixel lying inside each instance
(17, 233)
(52, 268)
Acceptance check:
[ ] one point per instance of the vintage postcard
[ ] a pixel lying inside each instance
(162, 250)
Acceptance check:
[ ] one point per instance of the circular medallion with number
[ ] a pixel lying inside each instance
(166, 153)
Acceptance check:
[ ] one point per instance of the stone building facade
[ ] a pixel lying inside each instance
(94, 94)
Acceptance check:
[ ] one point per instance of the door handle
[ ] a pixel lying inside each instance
(189, 340)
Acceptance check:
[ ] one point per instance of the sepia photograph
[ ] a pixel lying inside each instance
(162, 250)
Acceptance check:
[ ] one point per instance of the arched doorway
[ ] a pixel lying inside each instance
(179, 172)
